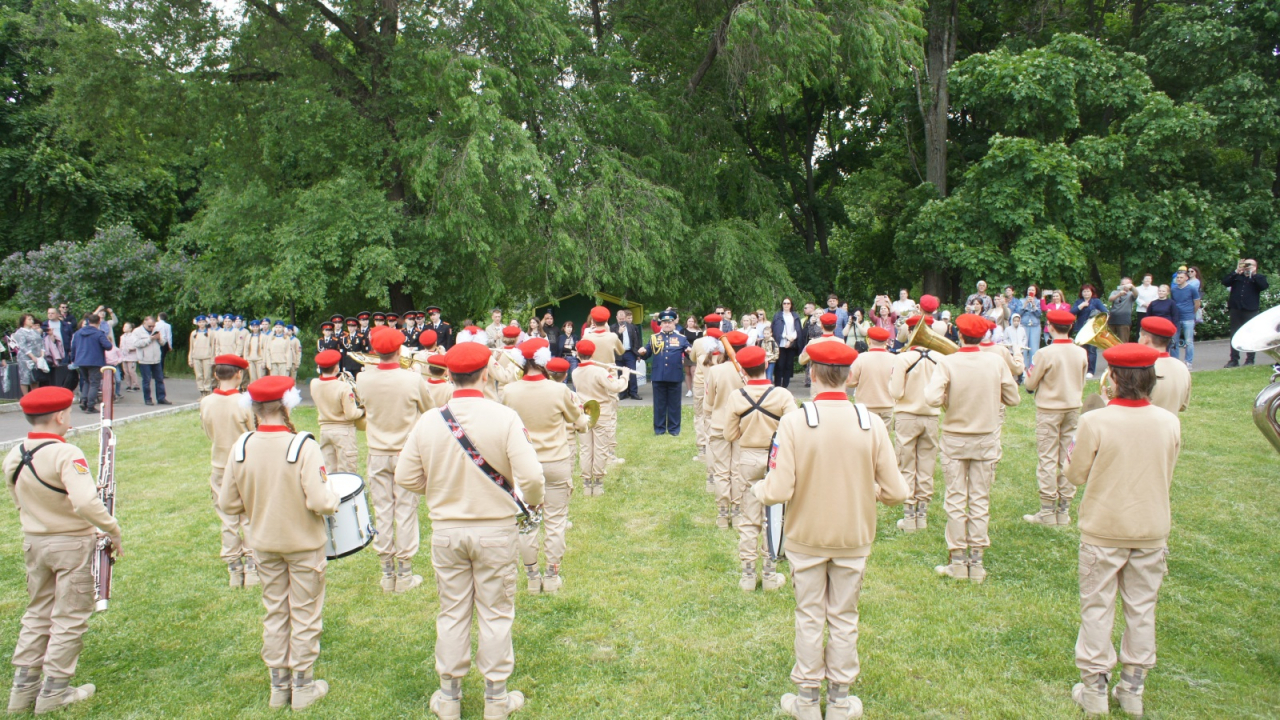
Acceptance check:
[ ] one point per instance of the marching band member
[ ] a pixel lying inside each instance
(473, 533)
(429, 346)
(394, 399)
(713, 354)
(1012, 359)
(700, 348)
(916, 427)
(929, 306)
(596, 383)
(1124, 527)
(871, 373)
(972, 385)
(471, 333)
(547, 409)
(1173, 380)
(438, 385)
(830, 472)
(60, 511)
(279, 350)
(336, 411)
(504, 369)
(721, 381)
(1057, 379)
(284, 497)
(200, 355)
(224, 420)
(828, 322)
(751, 421)
(608, 345)
(253, 351)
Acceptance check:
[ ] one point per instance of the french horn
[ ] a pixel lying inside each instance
(1262, 335)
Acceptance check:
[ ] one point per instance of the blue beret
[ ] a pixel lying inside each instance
(201, 317)
(280, 323)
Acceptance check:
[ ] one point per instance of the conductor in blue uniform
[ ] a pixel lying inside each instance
(668, 348)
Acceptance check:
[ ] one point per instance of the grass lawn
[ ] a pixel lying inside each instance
(651, 624)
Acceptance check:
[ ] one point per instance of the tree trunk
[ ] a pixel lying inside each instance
(401, 301)
(935, 104)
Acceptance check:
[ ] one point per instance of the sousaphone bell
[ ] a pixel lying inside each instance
(1262, 335)
(926, 338)
(1098, 334)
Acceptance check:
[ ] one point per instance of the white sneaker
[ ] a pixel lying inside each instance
(688, 393)
(1088, 376)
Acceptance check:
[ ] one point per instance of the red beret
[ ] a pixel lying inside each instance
(270, 388)
(828, 319)
(1159, 326)
(992, 324)
(557, 364)
(600, 313)
(1131, 355)
(928, 303)
(328, 358)
(914, 320)
(712, 319)
(831, 353)
(510, 331)
(466, 358)
(715, 333)
(586, 347)
(735, 338)
(972, 326)
(531, 346)
(1060, 317)
(472, 329)
(428, 338)
(751, 357)
(878, 334)
(235, 360)
(45, 400)
(387, 341)
(437, 360)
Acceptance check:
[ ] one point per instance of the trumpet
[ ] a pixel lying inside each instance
(406, 362)
(619, 368)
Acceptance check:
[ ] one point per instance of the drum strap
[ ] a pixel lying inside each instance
(757, 405)
(924, 355)
(28, 456)
(237, 450)
(473, 453)
(295, 446)
(864, 416)
(810, 413)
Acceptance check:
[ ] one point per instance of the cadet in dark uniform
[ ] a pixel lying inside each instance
(347, 346)
(668, 349)
(327, 340)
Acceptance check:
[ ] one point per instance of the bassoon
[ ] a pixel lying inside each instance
(102, 554)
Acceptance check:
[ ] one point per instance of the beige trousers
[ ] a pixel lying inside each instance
(1055, 431)
(257, 369)
(475, 573)
(234, 527)
(886, 414)
(593, 446)
(279, 369)
(969, 467)
(917, 453)
(827, 592)
(338, 445)
(204, 374)
(724, 461)
(609, 426)
(555, 514)
(395, 511)
(293, 593)
(1138, 574)
(752, 465)
(60, 591)
(701, 418)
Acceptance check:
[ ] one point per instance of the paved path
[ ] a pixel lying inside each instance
(1210, 355)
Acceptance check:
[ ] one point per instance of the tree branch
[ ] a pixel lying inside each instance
(319, 52)
(343, 27)
(718, 40)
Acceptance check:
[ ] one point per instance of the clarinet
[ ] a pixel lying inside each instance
(102, 555)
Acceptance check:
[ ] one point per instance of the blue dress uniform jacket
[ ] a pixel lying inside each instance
(667, 350)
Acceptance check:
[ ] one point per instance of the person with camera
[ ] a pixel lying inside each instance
(1246, 285)
(1122, 300)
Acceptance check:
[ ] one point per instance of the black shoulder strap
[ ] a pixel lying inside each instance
(924, 355)
(757, 405)
(474, 454)
(27, 457)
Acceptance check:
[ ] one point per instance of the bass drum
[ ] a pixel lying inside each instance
(349, 529)
(773, 521)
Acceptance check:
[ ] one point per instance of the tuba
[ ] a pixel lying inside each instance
(925, 337)
(1096, 333)
(1262, 335)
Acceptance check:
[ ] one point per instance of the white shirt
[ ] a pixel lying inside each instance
(902, 307)
(753, 335)
(166, 332)
(1146, 294)
(788, 330)
(1016, 337)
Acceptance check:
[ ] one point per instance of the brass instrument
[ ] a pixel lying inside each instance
(361, 422)
(1096, 333)
(616, 367)
(1262, 335)
(406, 362)
(924, 336)
(592, 409)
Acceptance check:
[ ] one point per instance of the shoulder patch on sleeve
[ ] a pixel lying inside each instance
(528, 439)
(773, 453)
(81, 465)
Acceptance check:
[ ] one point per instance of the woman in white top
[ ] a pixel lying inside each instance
(750, 327)
(786, 330)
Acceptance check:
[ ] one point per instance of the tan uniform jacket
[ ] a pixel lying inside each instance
(721, 382)
(224, 341)
(393, 400)
(295, 351)
(971, 384)
(1012, 360)
(700, 349)
(253, 347)
(242, 342)
(503, 369)
(870, 378)
(824, 337)
(910, 378)
(335, 401)
(283, 501)
(608, 346)
(754, 429)
(47, 512)
(440, 390)
(200, 346)
(458, 494)
(1126, 503)
(280, 350)
(547, 410)
(223, 421)
(1057, 377)
(1173, 384)
(831, 477)
(600, 384)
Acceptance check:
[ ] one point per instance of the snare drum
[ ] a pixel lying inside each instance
(773, 520)
(349, 529)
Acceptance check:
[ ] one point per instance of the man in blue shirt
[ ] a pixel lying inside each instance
(667, 348)
(91, 346)
(1186, 298)
(842, 315)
